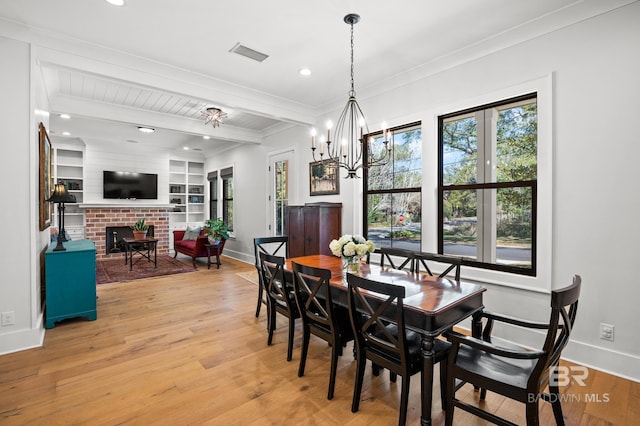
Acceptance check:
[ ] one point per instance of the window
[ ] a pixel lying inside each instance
(227, 196)
(487, 189)
(281, 195)
(212, 177)
(393, 191)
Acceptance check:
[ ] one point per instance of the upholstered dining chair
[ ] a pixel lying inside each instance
(381, 336)
(277, 246)
(449, 263)
(320, 316)
(397, 258)
(518, 373)
(280, 297)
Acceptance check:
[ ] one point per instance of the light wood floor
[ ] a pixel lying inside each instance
(187, 350)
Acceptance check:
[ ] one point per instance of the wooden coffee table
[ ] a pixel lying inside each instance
(143, 247)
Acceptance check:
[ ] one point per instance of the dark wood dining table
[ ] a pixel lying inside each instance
(432, 305)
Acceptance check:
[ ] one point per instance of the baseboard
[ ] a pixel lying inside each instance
(21, 340)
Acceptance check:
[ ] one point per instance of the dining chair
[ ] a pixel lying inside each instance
(397, 258)
(280, 297)
(277, 246)
(320, 316)
(378, 323)
(518, 373)
(450, 263)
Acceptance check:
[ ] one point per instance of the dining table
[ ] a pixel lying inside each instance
(432, 305)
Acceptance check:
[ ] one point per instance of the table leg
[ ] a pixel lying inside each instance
(208, 258)
(427, 379)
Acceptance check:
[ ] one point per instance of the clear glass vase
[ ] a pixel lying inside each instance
(351, 264)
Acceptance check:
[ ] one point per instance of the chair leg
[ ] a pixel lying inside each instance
(259, 300)
(334, 367)
(271, 323)
(292, 328)
(193, 259)
(357, 387)
(443, 384)
(450, 393)
(404, 399)
(532, 413)
(393, 376)
(305, 348)
(554, 392)
(175, 254)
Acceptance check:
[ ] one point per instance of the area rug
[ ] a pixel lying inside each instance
(251, 276)
(110, 271)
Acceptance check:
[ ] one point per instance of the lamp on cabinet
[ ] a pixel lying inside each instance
(61, 196)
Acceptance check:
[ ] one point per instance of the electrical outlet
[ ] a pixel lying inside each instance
(8, 318)
(607, 331)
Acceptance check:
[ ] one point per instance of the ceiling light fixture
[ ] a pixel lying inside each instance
(146, 129)
(65, 116)
(213, 115)
(205, 137)
(115, 2)
(350, 132)
(305, 72)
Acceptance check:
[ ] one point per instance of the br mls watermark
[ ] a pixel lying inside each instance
(563, 376)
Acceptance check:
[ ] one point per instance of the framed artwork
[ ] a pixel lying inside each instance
(46, 177)
(324, 178)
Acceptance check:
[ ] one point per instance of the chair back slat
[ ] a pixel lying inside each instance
(397, 258)
(273, 278)
(377, 317)
(453, 263)
(313, 294)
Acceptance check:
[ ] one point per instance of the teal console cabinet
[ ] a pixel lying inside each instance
(70, 282)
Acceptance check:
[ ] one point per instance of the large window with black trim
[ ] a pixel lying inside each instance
(221, 182)
(393, 190)
(487, 185)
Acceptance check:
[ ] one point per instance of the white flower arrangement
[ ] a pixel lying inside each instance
(352, 247)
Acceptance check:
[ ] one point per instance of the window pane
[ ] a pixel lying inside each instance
(517, 143)
(514, 226)
(407, 159)
(460, 151)
(379, 176)
(281, 196)
(459, 228)
(395, 220)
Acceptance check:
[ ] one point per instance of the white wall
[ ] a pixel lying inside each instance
(19, 256)
(594, 67)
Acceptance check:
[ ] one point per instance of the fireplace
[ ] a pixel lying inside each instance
(114, 238)
(100, 216)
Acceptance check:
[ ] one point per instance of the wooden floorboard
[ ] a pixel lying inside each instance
(187, 349)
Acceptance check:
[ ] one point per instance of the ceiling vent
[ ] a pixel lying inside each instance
(249, 53)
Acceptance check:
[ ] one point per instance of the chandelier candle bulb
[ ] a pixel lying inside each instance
(329, 124)
(313, 138)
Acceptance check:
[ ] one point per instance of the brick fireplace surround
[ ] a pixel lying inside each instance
(98, 218)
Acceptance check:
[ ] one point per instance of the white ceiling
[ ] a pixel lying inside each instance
(159, 62)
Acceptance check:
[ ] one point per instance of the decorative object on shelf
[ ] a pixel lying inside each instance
(46, 176)
(351, 248)
(140, 229)
(213, 115)
(349, 148)
(216, 230)
(323, 178)
(61, 196)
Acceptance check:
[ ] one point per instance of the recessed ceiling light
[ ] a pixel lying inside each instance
(115, 2)
(65, 116)
(146, 129)
(206, 137)
(66, 134)
(186, 148)
(304, 72)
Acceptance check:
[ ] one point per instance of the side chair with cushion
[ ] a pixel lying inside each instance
(280, 297)
(381, 336)
(452, 263)
(190, 242)
(276, 246)
(518, 373)
(320, 316)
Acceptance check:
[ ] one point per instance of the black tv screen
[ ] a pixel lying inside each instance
(130, 185)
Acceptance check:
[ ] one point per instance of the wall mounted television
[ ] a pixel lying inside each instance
(129, 185)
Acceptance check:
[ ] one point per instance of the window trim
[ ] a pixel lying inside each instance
(543, 86)
(442, 187)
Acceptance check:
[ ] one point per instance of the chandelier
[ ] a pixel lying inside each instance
(213, 115)
(350, 132)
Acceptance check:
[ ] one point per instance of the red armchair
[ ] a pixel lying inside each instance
(196, 248)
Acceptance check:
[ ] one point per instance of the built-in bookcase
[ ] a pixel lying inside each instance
(69, 169)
